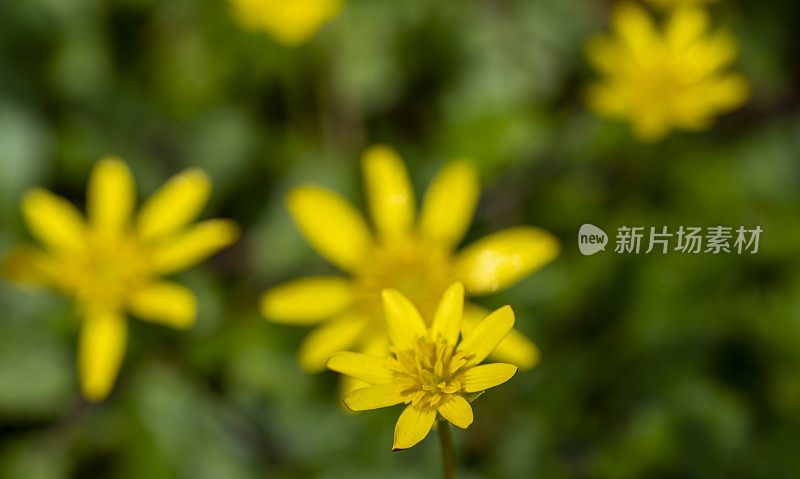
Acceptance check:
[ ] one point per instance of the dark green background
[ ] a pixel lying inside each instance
(659, 366)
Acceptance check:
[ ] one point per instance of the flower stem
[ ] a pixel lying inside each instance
(448, 451)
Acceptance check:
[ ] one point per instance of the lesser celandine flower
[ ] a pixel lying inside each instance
(658, 80)
(666, 4)
(414, 256)
(291, 22)
(112, 262)
(430, 370)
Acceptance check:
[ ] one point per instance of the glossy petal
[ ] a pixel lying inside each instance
(412, 426)
(166, 303)
(391, 196)
(449, 203)
(194, 245)
(110, 195)
(503, 258)
(53, 220)
(447, 320)
(515, 348)
(349, 384)
(174, 205)
(364, 367)
(373, 397)
(485, 376)
(330, 224)
(457, 410)
(307, 300)
(403, 321)
(486, 335)
(100, 351)
(339, 334)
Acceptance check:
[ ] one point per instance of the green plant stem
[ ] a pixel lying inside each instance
(448, 450)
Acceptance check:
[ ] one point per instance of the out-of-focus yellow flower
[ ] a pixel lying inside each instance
(666, 4)
(660, 81)
(413, 256)
(112, 263)
(291, 22)
(429, 370)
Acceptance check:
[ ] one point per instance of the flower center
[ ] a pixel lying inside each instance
(107, 271)
(419, 269)
(429, 373)
(660, 84)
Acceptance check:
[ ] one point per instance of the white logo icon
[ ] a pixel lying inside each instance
(591, 239)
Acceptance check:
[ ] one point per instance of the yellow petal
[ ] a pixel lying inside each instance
(330, 224)
(364, 367)
(485, 376)
(53, 220)
(290, 22)
(28, 265)
(686, 26)
(652, 125)
(503, 258)
(391, 196)
(111, 195)
(636, 28)
(375, 343)
(449, 203)
(729, 92)
(100, 351)
(412, 426)
(403, 321)
(194, 245)
(487, 334)
(447, 320)
(165, 303)
(174, 205)
(307, 300)
(373, 397)
(349, 384)
(339, 334)
(515, 348)
(457, 410)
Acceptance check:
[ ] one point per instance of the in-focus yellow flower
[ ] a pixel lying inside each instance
(112, 263)
(660, 81)
(291, 22)
(429, 371)
(416, 257)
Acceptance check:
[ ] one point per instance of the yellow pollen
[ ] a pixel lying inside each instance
(427, 374)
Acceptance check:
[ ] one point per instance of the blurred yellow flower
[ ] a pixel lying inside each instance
(665, 4)
(291, 22)
(660, 81)
(414, 256)
(112, 263)
(429, 370)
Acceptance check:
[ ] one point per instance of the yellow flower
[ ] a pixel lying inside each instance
(291, 22)
(660, 81)
(429, 370)
(666, 4)
(112, 263)
(414, 256)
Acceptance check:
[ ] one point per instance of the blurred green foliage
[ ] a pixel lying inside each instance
(653, 366)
